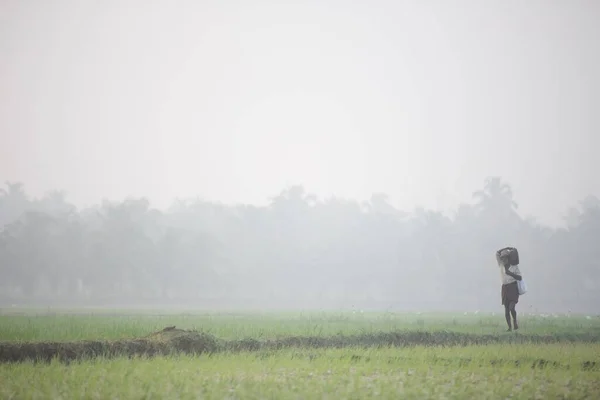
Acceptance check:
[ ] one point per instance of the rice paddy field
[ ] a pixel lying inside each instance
(117, 354)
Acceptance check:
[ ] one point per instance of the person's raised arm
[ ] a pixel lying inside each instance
(498, 258)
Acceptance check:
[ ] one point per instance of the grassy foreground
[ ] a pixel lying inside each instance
(487, 372)
(512, 365)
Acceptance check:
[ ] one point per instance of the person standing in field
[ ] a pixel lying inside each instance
(508, 262)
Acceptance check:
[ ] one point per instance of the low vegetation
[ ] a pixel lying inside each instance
(315, 355)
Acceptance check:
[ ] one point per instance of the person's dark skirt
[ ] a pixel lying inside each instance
(510, 293)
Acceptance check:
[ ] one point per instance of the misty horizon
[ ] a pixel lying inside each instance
(297, 252)
(450, 213)
(234, 101)
(383, 144)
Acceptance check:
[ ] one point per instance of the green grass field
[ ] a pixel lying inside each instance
(567, 368)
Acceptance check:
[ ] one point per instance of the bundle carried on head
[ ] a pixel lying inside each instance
(511, 254)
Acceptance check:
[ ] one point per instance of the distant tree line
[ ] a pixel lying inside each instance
(297, 251)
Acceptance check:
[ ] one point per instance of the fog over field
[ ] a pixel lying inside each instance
(284, 155)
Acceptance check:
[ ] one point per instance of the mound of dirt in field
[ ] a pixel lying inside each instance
(185, 341)
(167, 341)
(172, 341)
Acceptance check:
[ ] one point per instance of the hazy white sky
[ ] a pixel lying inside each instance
(234, 100)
